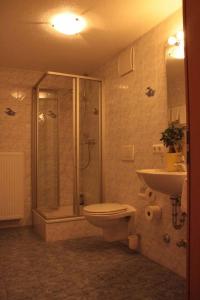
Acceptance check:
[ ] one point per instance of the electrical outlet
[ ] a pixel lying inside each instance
(158, 148)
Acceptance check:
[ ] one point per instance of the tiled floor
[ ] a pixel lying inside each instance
(83, 269)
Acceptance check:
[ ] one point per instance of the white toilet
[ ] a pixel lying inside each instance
(116, 220)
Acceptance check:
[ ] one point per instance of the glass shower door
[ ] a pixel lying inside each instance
(68, 145)
(55, 147)
(48, 168)
(89, 142)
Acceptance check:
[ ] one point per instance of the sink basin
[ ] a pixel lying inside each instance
(162, 181)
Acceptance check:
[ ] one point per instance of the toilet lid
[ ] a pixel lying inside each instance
(105, 208)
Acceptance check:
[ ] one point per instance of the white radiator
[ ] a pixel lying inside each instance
(11, 185)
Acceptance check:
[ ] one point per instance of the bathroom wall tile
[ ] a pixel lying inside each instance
(133, 118)
(16, 130)
(70, 229)
(64, 229)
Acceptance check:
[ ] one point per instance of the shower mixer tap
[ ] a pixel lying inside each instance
(182, 244)
(51, 114)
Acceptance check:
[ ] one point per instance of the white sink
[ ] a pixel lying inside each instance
(162, 181)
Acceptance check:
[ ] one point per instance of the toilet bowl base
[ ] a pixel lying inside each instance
(117, 232)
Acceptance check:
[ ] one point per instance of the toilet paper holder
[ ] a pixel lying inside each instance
(147, 194)
(153, 212)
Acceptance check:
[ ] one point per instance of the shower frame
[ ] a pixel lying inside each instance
(76, 138)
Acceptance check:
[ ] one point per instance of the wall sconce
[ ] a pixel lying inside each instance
(176, 45)
(149, 92)
(18, 95)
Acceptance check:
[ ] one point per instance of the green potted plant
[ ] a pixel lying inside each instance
(172, 138)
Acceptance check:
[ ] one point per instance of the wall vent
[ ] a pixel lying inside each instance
(126, 61)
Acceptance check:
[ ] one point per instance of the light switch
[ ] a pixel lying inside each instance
(127, 152)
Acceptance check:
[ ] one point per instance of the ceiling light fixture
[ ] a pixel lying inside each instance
(68, 23)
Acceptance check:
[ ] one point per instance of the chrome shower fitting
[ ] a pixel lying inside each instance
(90, 142)
(178, 218)
(166, 238)
(182, 244)
(51, 114)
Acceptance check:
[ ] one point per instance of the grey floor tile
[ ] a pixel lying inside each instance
(81, 269)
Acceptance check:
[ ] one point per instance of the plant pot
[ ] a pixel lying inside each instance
(171, 159)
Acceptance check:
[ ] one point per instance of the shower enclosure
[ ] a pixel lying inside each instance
(66, 144)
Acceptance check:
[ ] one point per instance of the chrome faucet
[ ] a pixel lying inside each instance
(182, 243)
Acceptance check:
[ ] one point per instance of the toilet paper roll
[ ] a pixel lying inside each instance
(149, 194)
(153, 212)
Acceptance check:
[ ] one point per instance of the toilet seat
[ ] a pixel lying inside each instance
(115, 219)
(105, 208)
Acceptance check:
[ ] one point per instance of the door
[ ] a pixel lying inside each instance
(192, 28)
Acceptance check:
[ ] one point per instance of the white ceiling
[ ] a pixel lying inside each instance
(25, 42)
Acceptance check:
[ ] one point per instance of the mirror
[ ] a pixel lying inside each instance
(176, 98)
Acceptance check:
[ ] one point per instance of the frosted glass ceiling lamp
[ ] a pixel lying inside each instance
(68, 23)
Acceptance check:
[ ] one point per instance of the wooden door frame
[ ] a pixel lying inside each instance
(191, 9)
